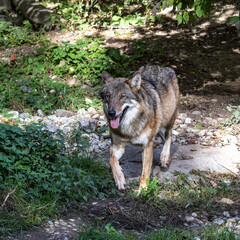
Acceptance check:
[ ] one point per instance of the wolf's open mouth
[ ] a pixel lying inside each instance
(116, 121)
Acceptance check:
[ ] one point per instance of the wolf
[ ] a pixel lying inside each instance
(136, 109)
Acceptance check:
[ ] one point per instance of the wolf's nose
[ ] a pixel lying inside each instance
(111, 113)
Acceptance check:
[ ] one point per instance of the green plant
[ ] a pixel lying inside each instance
(42, 171)
(86, 59)
(31, 87)
(151, 191)
(235, 118)
(182, 178)
(16, 36)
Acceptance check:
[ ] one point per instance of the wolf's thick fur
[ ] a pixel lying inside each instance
(136, 109)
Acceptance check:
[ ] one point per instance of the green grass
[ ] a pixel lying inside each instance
(167, 233)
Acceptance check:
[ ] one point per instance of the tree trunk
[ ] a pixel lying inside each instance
(34, 12)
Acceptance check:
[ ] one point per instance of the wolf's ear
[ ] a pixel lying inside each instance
(107, 78)
(135, 81)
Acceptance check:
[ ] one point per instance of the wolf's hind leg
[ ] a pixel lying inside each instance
(116, 153)
(165, 154)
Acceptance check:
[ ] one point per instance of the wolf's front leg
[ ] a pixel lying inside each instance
(165, 154)
(147, 164)
(116, 153)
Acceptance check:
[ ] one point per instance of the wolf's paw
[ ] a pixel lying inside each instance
(165, 162)
(120, 181)
(165, 167)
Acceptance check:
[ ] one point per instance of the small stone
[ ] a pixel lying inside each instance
(226, 214)
(182, 116)
(178, 121)
(50, 222)
(196, 238)
(226, 201)
(196, 113)
(14, 114)
(73, 81)
(92, 111)
(175, 133)
(6, 60)
(36, 119)
(194, 214)
(218, 221)
(40, 113)
(188, 121)
(52, 117)
(95, 116)
(233, 219)
(183, 126)
(63, 113)
(189, 218)
(24, 115)
(201, 133)
(52, 91)
(52, 127)
(82, 112)
(55, 78)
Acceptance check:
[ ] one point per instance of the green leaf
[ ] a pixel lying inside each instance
(186, 16)
(234, 19)
(179, 18)
(199, 11)
(179, 6)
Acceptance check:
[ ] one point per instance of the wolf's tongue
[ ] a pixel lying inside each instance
(115, 123)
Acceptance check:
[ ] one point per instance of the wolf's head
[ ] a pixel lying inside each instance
(120, 98)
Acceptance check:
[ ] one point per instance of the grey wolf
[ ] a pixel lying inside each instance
(136, 109)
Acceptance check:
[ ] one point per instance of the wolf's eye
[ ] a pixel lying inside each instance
(123, 97)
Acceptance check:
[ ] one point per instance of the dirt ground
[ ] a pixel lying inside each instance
(206, 58)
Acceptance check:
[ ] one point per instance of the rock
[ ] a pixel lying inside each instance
(226, 201)
(201, 133)
(55, 78)
(36, 119)
(88, 124)
(91, 111)
(81, 112)
(52, 127)
(74, 81)
(182, 116)
(6, 60)
(189, 218)
(24, 115)
(226, 214)
(52, 91)
(52, 117)
(63, 113)
(15, 114)
(218, 221)
(188, 121)
(196, 113)
(40, 113)
(95, 116)
(183, 126)
(194, 214)
(175, 133)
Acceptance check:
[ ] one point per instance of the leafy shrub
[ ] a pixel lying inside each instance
(37, 163)
(86, 59)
